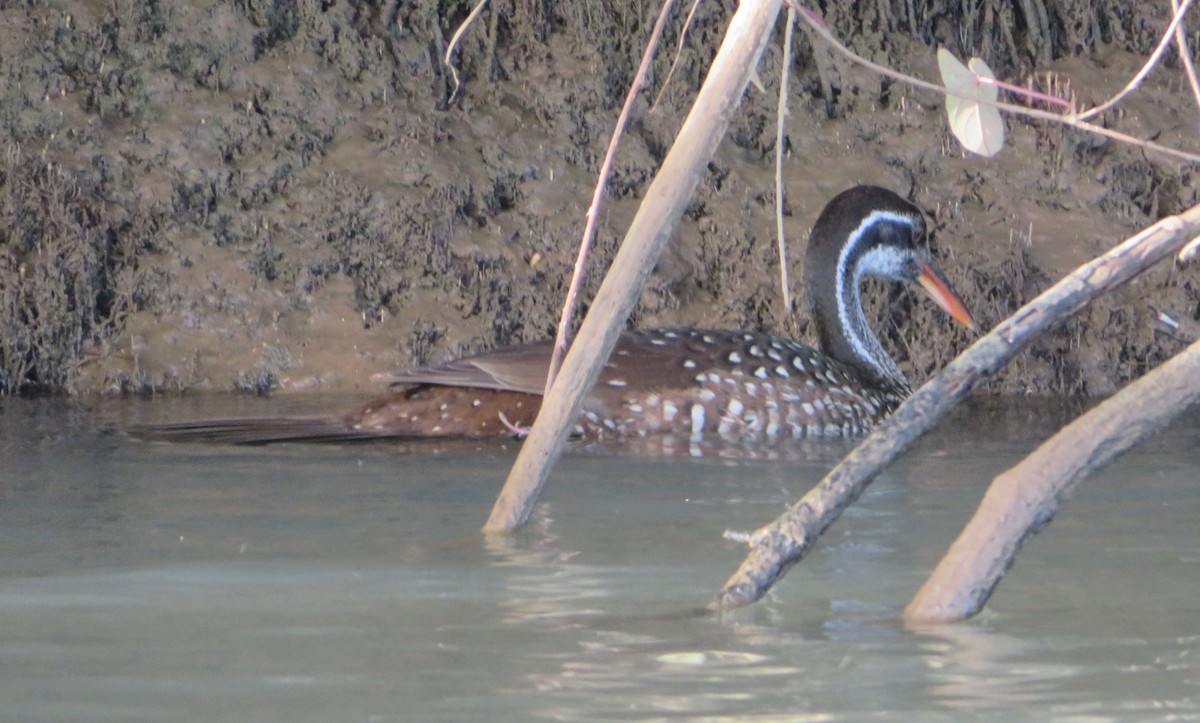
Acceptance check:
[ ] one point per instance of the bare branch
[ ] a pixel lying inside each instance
(1133, 84)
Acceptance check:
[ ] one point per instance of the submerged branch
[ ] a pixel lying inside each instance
(1024, 499)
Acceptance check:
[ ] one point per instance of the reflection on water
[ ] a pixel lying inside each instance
(972, 668)
(155, 581)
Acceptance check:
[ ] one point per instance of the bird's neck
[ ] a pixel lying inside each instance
(844, 332)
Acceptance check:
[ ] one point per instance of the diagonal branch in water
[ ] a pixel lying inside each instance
(652, 225)
(784, 542)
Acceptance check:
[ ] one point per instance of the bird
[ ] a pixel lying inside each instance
(733, 385)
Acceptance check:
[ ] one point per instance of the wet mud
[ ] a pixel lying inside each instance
(278, 196)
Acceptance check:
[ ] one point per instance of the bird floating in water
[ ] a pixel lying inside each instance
(735, 385)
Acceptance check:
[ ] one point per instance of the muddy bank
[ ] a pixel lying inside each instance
(277, 196)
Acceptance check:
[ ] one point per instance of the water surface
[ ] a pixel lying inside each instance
(151, 581)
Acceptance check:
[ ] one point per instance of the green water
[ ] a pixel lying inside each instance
(178, 582)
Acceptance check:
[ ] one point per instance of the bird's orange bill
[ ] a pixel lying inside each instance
(935, 283)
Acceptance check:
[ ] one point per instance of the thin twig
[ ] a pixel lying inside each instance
(820, 29)
(678, 53)
(593, 212)
(1046, 98)
(1132, 85)
(780, 127)
(462, 28)
(1185, 55)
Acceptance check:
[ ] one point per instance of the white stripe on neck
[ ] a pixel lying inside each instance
(882, 261)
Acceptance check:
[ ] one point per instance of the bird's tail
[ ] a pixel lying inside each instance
(257, 430)
(423, 412)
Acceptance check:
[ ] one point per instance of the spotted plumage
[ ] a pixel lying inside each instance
(699, 384)
(741, 392)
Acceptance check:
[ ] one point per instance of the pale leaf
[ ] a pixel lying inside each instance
(977, 126)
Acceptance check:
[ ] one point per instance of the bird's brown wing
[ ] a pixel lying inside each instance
(640, 358)
(513, 369)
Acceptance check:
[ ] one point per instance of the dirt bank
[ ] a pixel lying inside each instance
(274, 195)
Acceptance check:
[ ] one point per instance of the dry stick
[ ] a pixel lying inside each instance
(656, 218)
(780, 126)
(1024, 499)
(593, 212)
(778, 546)
(819, 27)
